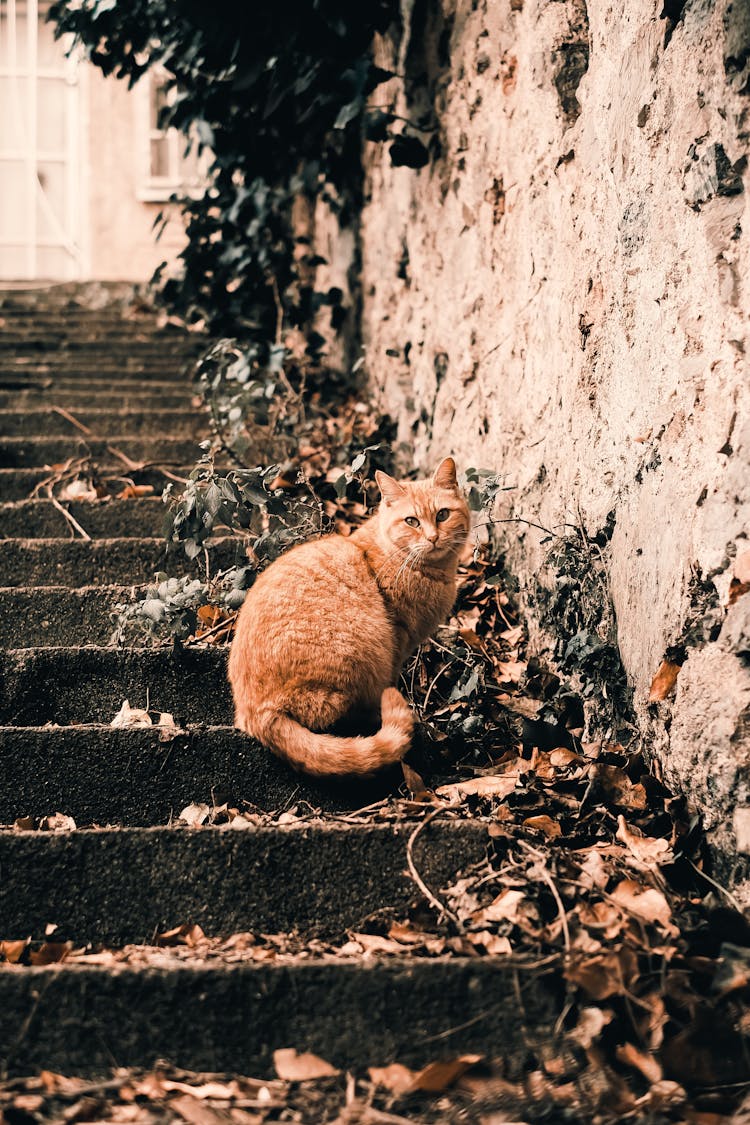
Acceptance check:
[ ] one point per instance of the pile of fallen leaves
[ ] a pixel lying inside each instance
(595, 879)
(595, 888)
(307, 1090)
(470, 685)
(310, 1091)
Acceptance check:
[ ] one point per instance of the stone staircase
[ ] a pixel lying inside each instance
(127, 873)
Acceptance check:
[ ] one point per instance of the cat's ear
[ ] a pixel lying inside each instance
(445, 474)
(390, 489)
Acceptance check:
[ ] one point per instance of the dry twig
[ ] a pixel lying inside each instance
(435, 902)
(68, 516)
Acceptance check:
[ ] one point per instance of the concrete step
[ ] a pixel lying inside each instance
(46, 383)
(94, 344)
(69, 322)
(84, 367)
(19, 484)
(87, 685)
(104, 423)
(134, 387)
(231, 1018)
(101, 519)
(66, 324)
(133, 777)
(44, 562)
(87, 295)
(54, 616)
(26, 453)
(135, 397)
(318, 879)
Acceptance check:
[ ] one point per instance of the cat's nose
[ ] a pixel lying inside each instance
(431, 534)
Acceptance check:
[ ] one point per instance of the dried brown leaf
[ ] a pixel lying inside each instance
(24, 823)
(196, 1113)
(438, 1076)
(470, 638)
(647, 902)
(85, 1109)
(510, 671)
(205, 1090)
(294, 1067)
(591, 1023)
(13, 951)
(396, 1078)
(601, 917)
(414, 783)
(134, 491)
(57, 822)
(128, 717)
(737, 590)
(608, 974)
(77, 490)
(593, 871)
(405, 933)
(670, 1095)
(55, 1083)
(648, 1065)
(187, 934)
(618, 787)
(505, 908)
(374, 943)
(561, 757)
(50, 952)
(488, 786)
(545, 824)
(647, 850)
(664, 681)
(28, 1103)
(492, 944)
(196, 814)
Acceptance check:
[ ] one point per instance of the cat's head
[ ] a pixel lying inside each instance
(428, 519)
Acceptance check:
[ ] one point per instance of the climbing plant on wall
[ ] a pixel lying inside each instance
(276, 95)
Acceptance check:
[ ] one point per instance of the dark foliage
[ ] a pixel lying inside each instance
(275, 95)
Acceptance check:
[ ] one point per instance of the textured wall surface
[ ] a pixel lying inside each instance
(120, 240)
(562, 295)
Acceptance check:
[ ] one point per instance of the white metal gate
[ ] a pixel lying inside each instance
(40, 148)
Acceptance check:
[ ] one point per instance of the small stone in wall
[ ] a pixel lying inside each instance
(735, 632)
(737, 46)
(632, 227)
(742, 828)
(709, 173)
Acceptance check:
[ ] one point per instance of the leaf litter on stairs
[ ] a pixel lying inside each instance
(650, 959)
(594, 878)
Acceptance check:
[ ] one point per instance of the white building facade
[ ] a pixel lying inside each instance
(84, 168)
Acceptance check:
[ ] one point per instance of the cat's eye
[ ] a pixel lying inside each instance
(412, 521)
(442, 515)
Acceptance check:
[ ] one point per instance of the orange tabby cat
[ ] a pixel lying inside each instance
(323, 632)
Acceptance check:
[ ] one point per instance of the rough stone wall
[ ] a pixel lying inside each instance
(562, 295)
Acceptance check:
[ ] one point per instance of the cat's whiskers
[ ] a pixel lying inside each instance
(410, 561)
(396, 551)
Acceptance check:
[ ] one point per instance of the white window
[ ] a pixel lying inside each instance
(40, 188)
(166, 167)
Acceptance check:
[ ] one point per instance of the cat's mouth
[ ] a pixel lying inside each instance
(433, 550)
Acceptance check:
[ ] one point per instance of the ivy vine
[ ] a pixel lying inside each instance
(276, 95)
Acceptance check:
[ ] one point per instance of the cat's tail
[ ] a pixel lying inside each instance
(326, 755)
